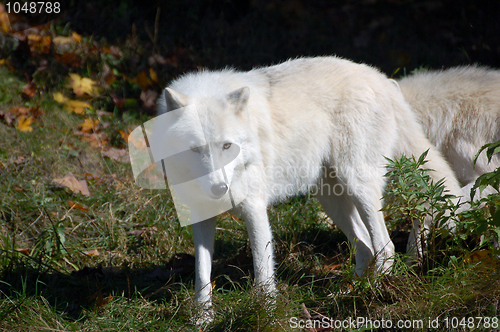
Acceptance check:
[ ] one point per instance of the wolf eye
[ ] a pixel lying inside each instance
(226, 146)
(195, 149)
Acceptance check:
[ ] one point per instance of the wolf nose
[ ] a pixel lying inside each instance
(219, 189)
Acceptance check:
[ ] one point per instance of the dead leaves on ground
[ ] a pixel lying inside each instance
(82, 85)
(20, 117)
(120, 155)
(72, 183)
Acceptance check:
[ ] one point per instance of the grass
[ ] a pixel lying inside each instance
(75, 263)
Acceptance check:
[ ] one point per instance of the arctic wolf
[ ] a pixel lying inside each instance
(322, 124)
(459, 110)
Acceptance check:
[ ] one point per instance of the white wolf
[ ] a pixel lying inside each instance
(315, 123)
(459, 110)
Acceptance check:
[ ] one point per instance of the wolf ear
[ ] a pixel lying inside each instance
(172, 100)
(239, 98)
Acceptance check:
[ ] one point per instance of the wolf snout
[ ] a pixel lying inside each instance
(219, 189)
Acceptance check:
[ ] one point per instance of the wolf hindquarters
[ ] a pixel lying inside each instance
(459, 109)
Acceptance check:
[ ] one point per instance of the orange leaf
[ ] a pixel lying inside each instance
(71, 182)
(124, 135)
(29, 90)
(24, 124)
(76, 37)
(102, 301)
(25, 251)
(4, 19)
(77, 206)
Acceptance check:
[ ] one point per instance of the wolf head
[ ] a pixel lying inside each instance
(206, 141)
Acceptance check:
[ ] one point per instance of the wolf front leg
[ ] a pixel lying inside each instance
(204, 237)
(259, 232)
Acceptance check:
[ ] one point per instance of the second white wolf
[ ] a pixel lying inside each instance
(459, 110)
(324, 124)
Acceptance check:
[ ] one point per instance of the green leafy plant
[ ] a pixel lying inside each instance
(413, 196)
(482, 220)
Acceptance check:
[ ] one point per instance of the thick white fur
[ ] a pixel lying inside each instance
(303, 117)
(459, 110)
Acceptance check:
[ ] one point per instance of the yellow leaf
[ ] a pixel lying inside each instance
(153, 75)
(24, 124)
(59, 97)
(77, 106)
(4, 19)
(89, 125)
(82, 85)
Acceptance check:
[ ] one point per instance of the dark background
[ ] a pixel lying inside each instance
(388, 34)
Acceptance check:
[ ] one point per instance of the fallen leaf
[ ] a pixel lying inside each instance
(119, 102)
(16, 188)
(19, 110)
(139, 144)
(97, 139)
(71, 182)
(102, 301)
(82, 85)
(142, 80)
(39, 43)
(25, 251)
(4, 19)
(120, 155)
(76, 37)
(19, 160)
(30, 90)
(153, 75)
(70, 59)
(92, 253)
(24, 124)
(77, 206)
(148, 98)
(89, 125)
(77, 106)
(114, 51)
(59, 97)
(124, 135)
(61, 40)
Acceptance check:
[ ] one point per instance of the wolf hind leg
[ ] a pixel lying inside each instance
(340, 208)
